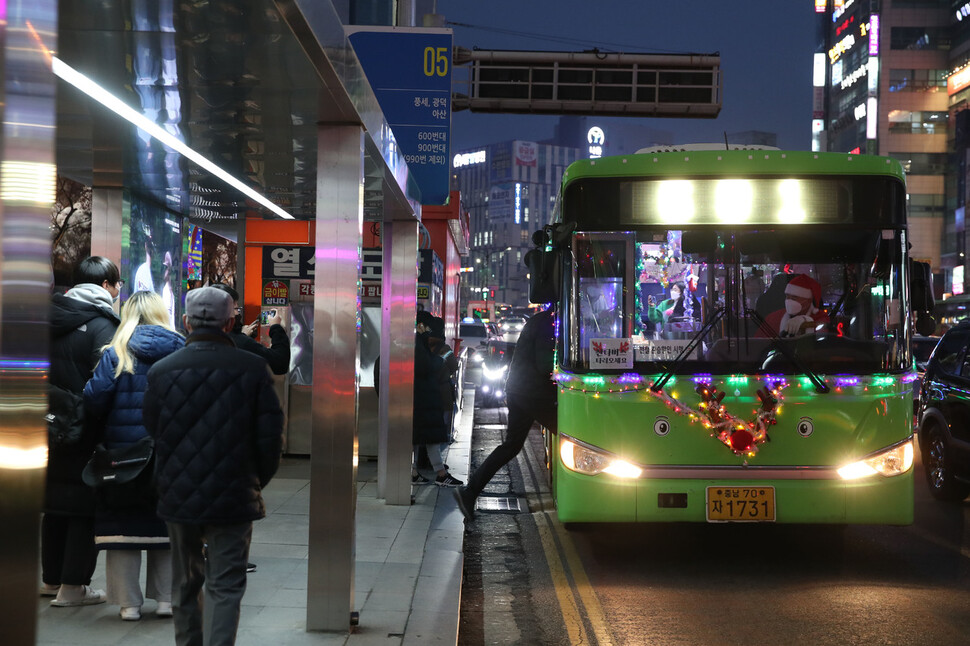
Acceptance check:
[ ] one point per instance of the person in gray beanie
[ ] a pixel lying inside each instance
(218, 430)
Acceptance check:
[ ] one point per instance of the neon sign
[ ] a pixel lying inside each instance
(841, 47)
(518, 202)
(962, 12)
(596, 138)
(855, 75)
(467, 159)
(874, 35)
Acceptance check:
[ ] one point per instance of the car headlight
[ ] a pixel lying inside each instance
(891, 462)
(494, 373)
(477, 357)
(589, 461)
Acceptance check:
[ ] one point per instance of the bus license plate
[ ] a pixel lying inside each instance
(740, 504)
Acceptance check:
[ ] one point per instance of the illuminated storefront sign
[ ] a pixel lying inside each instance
(820, 6)
(962, 12)
(872, 124)
(518, 202)
(467, 159)
(958, 80)
(857, 73)
(874, 35)
(844, 25)
(818, 70)
(841, 47)
(596, 139)
(860, 111)
(839, 10)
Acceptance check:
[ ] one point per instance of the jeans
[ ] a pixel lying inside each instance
(521, 416)
(221, 567)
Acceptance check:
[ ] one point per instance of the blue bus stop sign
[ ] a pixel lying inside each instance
(409, 70)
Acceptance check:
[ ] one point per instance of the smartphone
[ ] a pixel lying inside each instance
(266, 315)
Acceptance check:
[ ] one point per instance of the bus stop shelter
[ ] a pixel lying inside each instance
(217, 111)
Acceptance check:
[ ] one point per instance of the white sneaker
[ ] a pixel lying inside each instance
(164, 609)
(78, 595)
(131, 613)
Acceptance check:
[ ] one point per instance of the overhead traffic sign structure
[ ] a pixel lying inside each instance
(588, 83)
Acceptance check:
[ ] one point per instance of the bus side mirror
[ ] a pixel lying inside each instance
(544, 275)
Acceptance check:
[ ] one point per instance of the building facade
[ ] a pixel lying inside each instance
(509, 190)
(880, 77)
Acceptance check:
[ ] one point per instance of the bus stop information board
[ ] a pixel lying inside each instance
(410, 72)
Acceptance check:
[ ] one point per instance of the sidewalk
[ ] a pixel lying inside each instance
(408, 570)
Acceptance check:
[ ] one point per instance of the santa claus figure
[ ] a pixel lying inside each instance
(802, 313)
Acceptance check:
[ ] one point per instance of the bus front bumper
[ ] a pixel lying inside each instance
(605, 498)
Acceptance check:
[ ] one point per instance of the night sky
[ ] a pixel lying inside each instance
(765, 47)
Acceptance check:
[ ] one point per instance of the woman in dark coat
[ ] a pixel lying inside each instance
(125, 522)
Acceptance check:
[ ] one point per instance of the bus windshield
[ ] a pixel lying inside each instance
(755, 300)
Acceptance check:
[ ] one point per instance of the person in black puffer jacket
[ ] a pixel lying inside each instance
(218, 430)
(126, 522)
(82, 322)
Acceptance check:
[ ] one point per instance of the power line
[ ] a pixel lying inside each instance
(615, 47)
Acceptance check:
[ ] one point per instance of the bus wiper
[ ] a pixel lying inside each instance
(657, 385)
(788, 354)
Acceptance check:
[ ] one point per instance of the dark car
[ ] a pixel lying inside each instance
(922, 347)
(944, 416)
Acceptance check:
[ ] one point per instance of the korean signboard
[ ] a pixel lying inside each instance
(409, 70)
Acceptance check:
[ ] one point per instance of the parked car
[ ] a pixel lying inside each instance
(922, 347)
(944, 416)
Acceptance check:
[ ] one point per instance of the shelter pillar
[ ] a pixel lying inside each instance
(399, 278)
(28, 34)
(333, 452)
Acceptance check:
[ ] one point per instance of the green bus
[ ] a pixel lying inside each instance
(733, 338)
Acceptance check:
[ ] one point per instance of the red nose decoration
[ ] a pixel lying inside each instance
(741, 440)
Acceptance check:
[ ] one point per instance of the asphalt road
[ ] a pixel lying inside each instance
(528, 580)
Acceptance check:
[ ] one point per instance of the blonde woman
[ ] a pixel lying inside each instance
(125, 521)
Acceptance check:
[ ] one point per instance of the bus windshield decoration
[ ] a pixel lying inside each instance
(736, 300)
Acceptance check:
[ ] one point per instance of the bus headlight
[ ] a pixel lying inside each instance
(891, 462)
(589, 461)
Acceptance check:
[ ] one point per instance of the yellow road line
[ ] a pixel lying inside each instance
(567, 602)
(594, 611)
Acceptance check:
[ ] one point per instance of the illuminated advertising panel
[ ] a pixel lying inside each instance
(874, 35)
(958, 80)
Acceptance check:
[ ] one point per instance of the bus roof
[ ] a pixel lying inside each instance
(672, 162)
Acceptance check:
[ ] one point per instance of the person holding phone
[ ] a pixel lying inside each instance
(277, 355)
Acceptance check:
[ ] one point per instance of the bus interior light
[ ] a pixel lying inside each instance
(588, 461)
(892, 462)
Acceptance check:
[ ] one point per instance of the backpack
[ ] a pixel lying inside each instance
(65, 416)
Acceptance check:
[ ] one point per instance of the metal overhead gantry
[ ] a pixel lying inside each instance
(588, 83)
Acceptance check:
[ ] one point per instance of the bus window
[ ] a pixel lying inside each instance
(602, 302)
